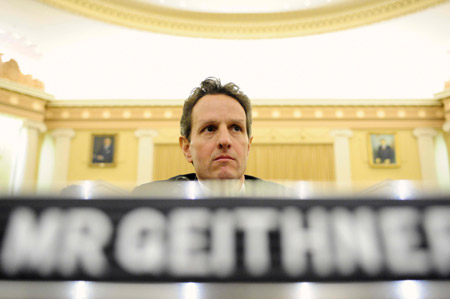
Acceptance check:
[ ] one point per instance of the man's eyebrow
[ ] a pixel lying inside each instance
(214, 121)
(207, 121)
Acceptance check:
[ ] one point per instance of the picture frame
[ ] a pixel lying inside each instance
(383, 150)
(103, 150)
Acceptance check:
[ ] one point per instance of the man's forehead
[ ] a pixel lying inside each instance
(220, 99)
(211, 106)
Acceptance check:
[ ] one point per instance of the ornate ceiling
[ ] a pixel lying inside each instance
(82, 58)
(242, 19)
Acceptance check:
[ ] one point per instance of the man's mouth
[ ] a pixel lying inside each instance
(223, 158)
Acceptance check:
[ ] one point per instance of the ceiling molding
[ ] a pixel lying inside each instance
(346, 102)
(445, 94)
(23, 89)
(20, 104)
(255, 102)
(115, 103)
(160, 19)
(156, 116)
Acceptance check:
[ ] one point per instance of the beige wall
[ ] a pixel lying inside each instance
(310, 162)
(364, 175)
(284, 160)
(292, 162)
(122, 175)
(169, 161)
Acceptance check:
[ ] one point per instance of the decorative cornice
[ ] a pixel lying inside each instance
(137, 14)
(442, 95)
(350, 116)
(446, 103)
(345, 102)
(373, 112)
(255, 102)
(21, 104)
(26, 90)
(115, 113)
(114, 103)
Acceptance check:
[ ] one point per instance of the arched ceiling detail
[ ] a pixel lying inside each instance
(337, 15)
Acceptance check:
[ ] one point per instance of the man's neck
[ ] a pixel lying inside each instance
(223, 187)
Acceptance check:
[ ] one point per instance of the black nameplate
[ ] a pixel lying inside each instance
(224, 239)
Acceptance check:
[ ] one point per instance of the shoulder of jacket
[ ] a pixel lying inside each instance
(184, 177)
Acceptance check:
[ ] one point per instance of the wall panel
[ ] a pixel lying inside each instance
(299, 162)
(169, 161)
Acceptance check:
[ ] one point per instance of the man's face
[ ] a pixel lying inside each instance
(219, 143)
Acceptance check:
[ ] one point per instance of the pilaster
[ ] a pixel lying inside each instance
(25, 167)
(425, 141)
(145, 155)
(342, 156)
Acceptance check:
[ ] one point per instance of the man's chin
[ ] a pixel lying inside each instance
(222, 173)
(226, 174)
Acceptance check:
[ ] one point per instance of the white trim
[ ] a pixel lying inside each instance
(346, 102)
(27, 90)
(255, 102)
(442, 94)
(114, 103)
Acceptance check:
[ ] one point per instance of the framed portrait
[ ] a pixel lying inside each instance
(383, 150)
(103, 150)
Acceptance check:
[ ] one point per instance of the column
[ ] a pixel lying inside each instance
(446, 127)
(425, 141)
(62, 154)
(145, 155)
(25, 165)
(342, 157)
(442, 158)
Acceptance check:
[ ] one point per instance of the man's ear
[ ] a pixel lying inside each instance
(185, 146)
(249, 144)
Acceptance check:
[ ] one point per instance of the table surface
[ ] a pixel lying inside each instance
(405, 289)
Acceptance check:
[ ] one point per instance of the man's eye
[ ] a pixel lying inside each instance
(209, 129)
(237, 128)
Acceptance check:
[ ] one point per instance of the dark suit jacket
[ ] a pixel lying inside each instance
(177, 187)
(107, 154)
(385, 153)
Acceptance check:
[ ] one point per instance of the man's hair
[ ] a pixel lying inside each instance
(213, 85)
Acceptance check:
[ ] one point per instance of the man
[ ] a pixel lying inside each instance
(215, 137)
(105, 153)
(384, 154)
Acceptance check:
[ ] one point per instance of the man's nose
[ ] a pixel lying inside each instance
(224, 138)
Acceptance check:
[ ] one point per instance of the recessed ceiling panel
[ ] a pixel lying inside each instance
(242, 19)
